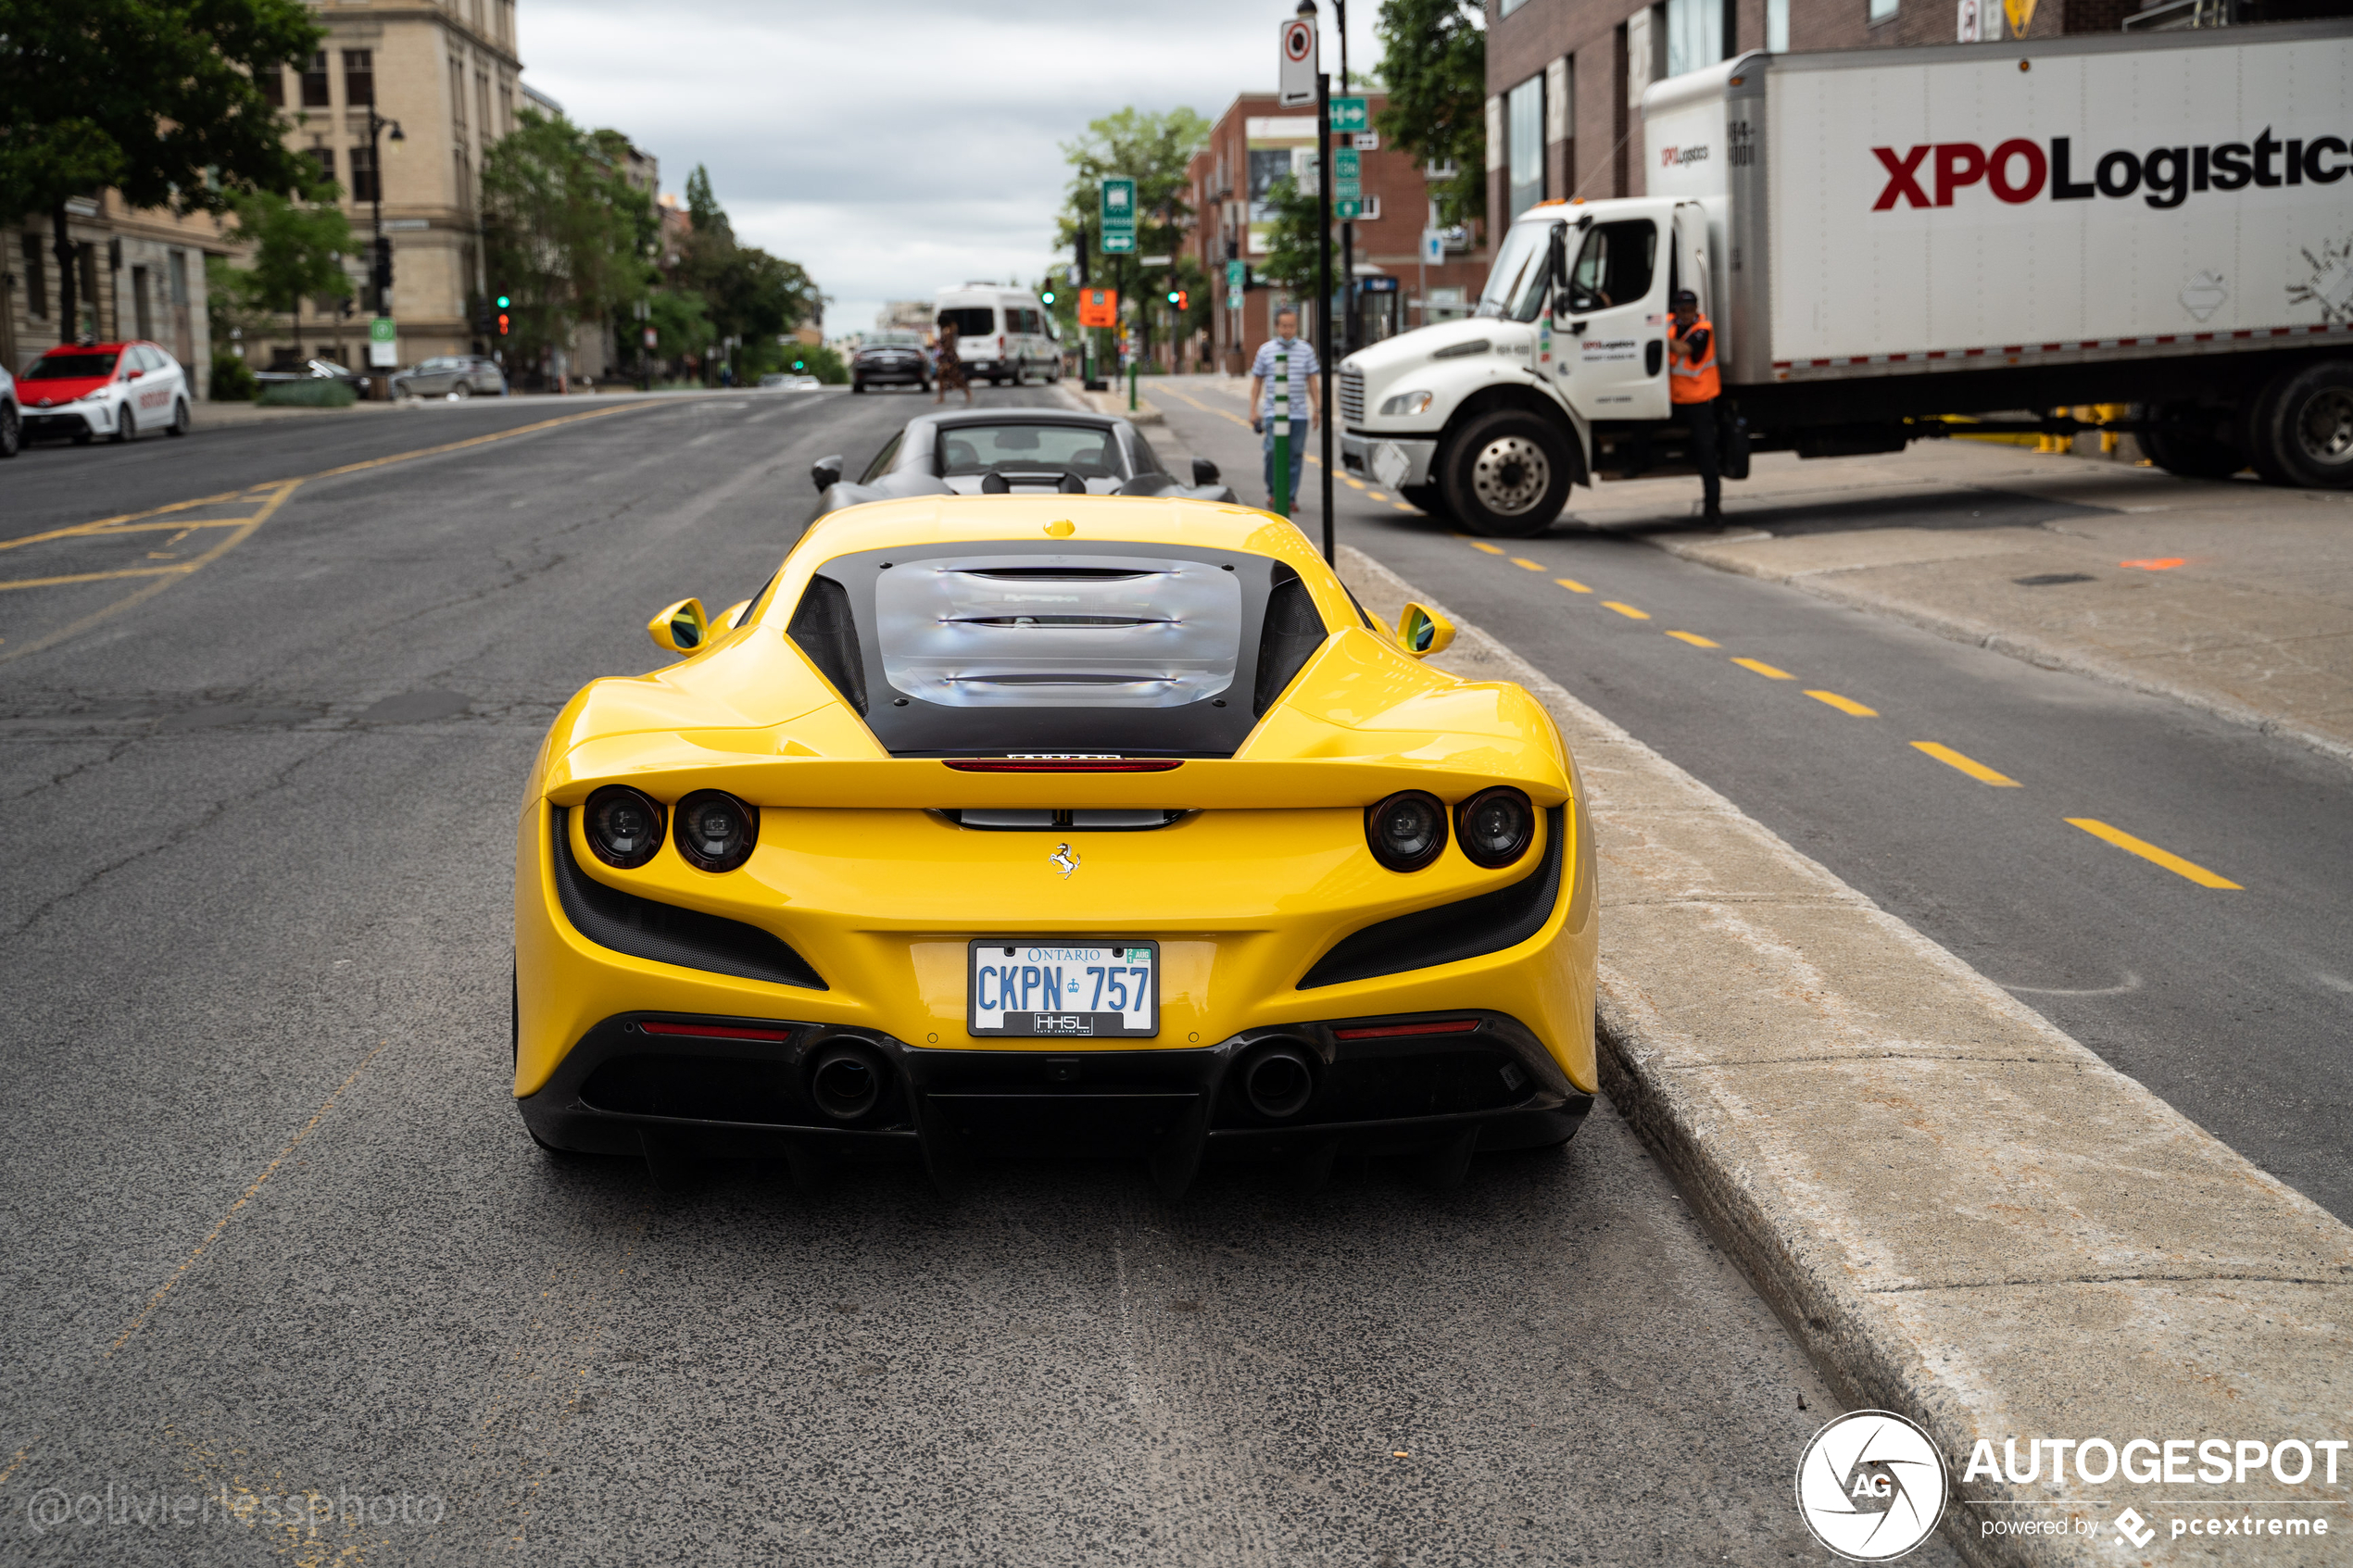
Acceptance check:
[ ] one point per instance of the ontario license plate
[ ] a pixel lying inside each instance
(1051, 990)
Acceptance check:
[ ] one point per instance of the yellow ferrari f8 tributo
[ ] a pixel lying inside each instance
(1052, 824)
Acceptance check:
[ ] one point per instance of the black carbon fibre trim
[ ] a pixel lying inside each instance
(1450, 932)
(667, 933)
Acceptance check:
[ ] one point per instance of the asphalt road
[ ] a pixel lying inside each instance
(2232, 1004)
(280, 1233)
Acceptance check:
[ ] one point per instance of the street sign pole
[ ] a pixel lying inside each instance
(1324, 276)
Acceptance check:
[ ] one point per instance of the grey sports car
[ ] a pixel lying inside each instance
(997, 451)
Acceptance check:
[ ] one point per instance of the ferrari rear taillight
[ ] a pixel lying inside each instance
(624, 826)
(1407, 831)
(1428, 1026)
(716, 830)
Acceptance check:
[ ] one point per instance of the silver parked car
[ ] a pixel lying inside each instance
(451, 375)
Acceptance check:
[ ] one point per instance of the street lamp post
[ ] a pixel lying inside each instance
(379, 263)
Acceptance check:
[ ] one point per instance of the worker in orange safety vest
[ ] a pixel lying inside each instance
(1692, 386)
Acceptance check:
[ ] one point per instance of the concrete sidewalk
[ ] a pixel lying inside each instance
(2232, 596)
(1960, 1213)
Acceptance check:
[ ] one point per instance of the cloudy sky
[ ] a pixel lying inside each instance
(897, 145)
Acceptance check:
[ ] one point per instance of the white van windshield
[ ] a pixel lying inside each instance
(1515, 287)
(969, 321)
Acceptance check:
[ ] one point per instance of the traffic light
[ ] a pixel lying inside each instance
(503, 302)
(1176, 298)
(502, 323)
(1047, 297)
(383, 273)
(800, 364)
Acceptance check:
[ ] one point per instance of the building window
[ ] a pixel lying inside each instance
(1695, 34)
(314, 81)
(1882, 10)
(458, 90)
(36, 278)
(1523, 144)
(363, 176)
(1505, 7)
(1777, 27)
(272, 82)
(325, 158)
(359, 77)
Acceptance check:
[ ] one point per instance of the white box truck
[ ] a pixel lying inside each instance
(1885, 238)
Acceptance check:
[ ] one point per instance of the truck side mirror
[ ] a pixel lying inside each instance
(826, 472)
(681, 628)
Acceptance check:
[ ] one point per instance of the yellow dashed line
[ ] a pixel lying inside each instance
(2152, 854)
(1765, 669)
(1628, 610)
(1971, 766)
(1572, 584)
(1373, 493)
(1524, 561)
(1694, 639)
(1352, 481)
(1845, 704)
(1403, 507)
(1483, 545)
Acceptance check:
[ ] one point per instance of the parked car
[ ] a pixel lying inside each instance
(316, 369)
(891, 359)
(996, 452)
(451, 375)
(81, 391)
(1004, 335)
(11, 417)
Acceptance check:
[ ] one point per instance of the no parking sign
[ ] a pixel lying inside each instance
(1298, 77)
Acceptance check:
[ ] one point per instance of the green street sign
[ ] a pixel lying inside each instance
(1347, 114)
(1348, 183)
(1119, 241)
(380, 330)
(1236, 273)
(1118, 197)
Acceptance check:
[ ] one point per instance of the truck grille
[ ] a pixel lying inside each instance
(1351, 395)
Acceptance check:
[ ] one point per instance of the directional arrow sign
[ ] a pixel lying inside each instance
(1348, 115)
(1118, 215)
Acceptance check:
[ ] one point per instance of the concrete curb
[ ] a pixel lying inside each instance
(1960, 1213)
(2023, 647)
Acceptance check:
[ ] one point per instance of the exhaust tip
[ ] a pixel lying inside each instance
(847, 1079)
(1278, 1079)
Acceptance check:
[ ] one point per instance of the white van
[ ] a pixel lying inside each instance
(1004, 335)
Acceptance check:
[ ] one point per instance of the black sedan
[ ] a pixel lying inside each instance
(998, 451)
(891, 359)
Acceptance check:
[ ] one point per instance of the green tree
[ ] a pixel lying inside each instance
(1292, 252)
(298, 248)
(155, 98)
(682, 326)
(1434, 58)
(753, 297)
(565, 235)
(1153, 150)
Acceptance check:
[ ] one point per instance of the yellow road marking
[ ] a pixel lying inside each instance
(1572, 584)
(222, 1224)
(1694, 639)
(183, 568)
(2150, 852)
(1845, 704)
(1352, 481)
(1403, 507)
(1968, 765)
(1483, 545)
(278, 490)
(1524, 561)
(1628, 610)
(1765, 669)
(1375, 495)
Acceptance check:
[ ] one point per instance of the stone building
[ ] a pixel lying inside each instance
(1256, 141)
(138, 274)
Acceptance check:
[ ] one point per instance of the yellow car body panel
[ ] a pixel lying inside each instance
(863, 869)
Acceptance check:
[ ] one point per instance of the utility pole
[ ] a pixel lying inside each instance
(1347, 229)
(1323, 268)
(380, 255)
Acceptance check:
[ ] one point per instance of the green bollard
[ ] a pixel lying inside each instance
(1281, 416)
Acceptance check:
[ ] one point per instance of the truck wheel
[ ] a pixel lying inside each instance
(2191, 453)
(1505, 475)
(2303, 424)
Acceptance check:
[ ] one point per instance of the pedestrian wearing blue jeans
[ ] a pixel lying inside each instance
(1303, 394)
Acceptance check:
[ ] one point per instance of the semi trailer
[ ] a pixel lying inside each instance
(1902, 243)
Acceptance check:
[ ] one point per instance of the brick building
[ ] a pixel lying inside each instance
(1254, 142)
(1565, 78)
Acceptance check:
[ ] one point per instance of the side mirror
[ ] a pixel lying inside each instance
(134, 375)
(826, 472)
(681, 628)
(1204, 471)
(1423, 632)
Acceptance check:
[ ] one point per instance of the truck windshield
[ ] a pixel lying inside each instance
(1515, 287)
